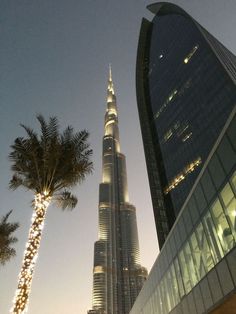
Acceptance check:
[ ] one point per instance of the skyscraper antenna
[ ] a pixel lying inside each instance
(110, 76)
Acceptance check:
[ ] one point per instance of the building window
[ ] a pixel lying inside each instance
(185, 272)
(181, 176)
(168, 135)
(197, 256)
(205, 253)
(179, 278)
(170, 98)
(229, 202)
(189, 56)
(222, 227)
(212, 237)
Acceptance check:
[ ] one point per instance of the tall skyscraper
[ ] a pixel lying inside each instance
(117, 274)
(186, 89)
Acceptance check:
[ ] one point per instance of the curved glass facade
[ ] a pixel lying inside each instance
(191, 97)
(185, 91)
(196, 267)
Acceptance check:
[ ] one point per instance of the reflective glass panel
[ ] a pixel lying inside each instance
(207, 185)
(217, 173)
(170, 292)
(226, 154)
(179, 277)
(157, 299)
(233, 180)
(190, 265)
(185, 271)
(206, 253)
(163, 297)
(229, 202)
(197, 256)
(212, 237)
(227, 194)
(222, 227)
(174, 285)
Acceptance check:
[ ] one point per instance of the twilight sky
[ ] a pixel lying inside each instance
(54, 57)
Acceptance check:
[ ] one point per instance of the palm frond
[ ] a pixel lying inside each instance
(15, 182)
(49, 130)
(6, 254)
(30, 132)
(4, 218)
(66, 200)
(50, 161)
(43, 125)
(67, 134)
(6, 240)
(53, 127)
(25, 157)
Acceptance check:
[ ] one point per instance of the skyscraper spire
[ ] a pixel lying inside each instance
(117, 274)
(110, 87)
(110, 75)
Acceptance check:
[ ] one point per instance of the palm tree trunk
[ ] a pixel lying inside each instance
(31, 253)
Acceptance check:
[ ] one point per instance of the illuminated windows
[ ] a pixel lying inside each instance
(181, 131)
(223, 230)
(181, 176)
(98, 269)
(192, 52)
(186, 137)
(166, 103)
(168, 135)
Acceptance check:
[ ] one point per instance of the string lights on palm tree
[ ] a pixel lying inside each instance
(49, 165)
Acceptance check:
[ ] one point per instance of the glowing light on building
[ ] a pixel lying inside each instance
(171, 97)
(181, 176)
(189, 56)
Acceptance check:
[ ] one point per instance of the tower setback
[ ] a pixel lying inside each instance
(117, 274)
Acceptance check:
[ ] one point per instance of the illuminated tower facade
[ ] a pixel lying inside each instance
(117, 274)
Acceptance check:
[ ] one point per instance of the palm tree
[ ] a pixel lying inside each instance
(48, 165)
(6, 238)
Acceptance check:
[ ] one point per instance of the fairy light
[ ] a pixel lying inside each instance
(21, 299)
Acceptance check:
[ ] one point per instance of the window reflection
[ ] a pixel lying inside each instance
(163, 297)
(223, 230)
(206, 253)
(197, 256)
(229, 202)
(185, 272)
(174, 285)
(227, 194)
(190, 265)
(179, 278)
(213, 239)
(167, 293)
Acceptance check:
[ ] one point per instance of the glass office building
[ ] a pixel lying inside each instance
(195, 271)
(186, 90)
